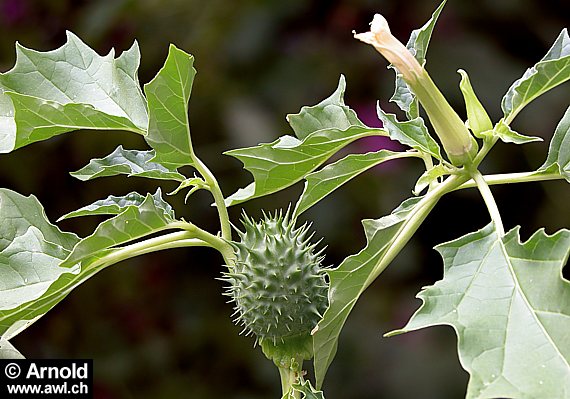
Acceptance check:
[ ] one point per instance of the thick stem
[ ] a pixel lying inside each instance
(489, 201)
(414, 221)
(290, 375)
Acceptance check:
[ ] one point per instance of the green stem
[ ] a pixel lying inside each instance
(489, 201)
(290, 375)
(212, 240)
(216, 191)
(487, 146)
(511, 178)
(167, 241)
(414, 221)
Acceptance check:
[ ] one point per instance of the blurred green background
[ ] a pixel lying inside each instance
(157, 326)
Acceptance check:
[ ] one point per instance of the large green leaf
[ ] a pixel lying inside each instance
(349, 280)
(127, 162)
(549, 72)
(134, 222)
(510, 308)
(287, 160)
(70, 88)
(412, 133)
(168, 95)
(417, 44)
(31, 249)
(34, 278)
(321, 183)
(113, 205)
(329, 113)
(559, 150)
(15, 320)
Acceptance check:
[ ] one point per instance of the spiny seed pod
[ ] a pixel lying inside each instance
(278, 285)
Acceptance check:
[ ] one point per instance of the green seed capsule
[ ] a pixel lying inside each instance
(278, 285)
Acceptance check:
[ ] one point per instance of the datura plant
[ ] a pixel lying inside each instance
(506, 299)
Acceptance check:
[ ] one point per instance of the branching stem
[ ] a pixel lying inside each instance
(213, 241)
(489, 201)
(216, 191)
(510, 178)
(414, 221)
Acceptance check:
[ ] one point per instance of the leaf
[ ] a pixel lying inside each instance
(417, 44)
(31, 249)
(349, 280)
(329, 113)
(508, 135)
(8, 351)
(430, 176)
(321, 183)
(33, 277)
(510, 308)
(195, 183)
(127, 162)
(412, 133)
(168, 95)
(134, 222)
(552, 70)
(559, 149)
(287, 160)
(308, 391)
(70, 88)
(114, 205)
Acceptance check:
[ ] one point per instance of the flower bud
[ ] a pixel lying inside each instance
(477, 118)
(458, 143)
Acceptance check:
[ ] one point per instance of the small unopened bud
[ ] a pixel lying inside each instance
(477, 118)
(458, 143)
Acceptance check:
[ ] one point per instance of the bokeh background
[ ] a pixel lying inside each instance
(157, 326)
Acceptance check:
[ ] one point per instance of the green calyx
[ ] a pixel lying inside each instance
(460, 146)
(278, 285)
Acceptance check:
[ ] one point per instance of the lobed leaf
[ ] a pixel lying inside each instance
(417, 44)
(31, 249)
(287, 160)
(510, 308)
(33, 276)
(412, 133)
(552, 70)
(13, 321)
(559, 150)
(331, 113)
(349, 280)
(113, 205)
(127, 162)
(135, 221)
(168, 95)
(70, 88)
(321, 183)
